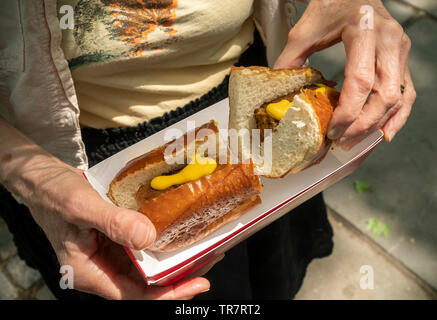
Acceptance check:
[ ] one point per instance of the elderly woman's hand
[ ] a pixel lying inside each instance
(377, 64)
(85, 231)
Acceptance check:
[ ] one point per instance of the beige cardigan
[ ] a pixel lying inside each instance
(37, 93)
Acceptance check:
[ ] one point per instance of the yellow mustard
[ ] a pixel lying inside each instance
(322, 88)
(308, 74)
(277, 110)
(196, 169)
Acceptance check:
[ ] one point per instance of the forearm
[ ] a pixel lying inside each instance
(22, 162)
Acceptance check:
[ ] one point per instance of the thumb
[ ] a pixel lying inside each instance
(123, 226)
(296, 51)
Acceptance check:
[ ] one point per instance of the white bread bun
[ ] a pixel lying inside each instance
(143, 169)
(186, 213)
(298, 141)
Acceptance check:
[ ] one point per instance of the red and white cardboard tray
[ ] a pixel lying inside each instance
(278, 197)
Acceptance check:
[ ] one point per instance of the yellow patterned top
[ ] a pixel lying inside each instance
(133, 60)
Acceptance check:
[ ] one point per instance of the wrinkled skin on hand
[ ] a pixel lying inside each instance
(86, 233)
(376, 65)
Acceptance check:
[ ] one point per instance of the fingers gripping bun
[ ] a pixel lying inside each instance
(299, 139)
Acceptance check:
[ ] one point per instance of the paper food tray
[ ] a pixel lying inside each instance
(278, 197)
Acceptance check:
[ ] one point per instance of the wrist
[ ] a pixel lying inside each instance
(21, 172)
(22, 162)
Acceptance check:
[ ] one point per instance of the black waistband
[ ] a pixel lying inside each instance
(102, 143)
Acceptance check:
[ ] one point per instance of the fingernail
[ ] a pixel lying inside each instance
(205, 290)
(201, 287)
(344, 143)
(335, 133)
(389, 137)
(346, 147)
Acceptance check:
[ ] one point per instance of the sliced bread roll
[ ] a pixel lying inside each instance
(141, 170)
(299, 138)
(186, 212)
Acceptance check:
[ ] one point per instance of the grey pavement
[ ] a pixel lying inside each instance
(401, 11)
(356, 270)
(7, 289)
(24, 276)
(427, 5)
(17, 280)
(402, 173)
(7, 248)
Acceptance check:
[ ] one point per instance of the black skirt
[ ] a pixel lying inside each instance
(269, 265)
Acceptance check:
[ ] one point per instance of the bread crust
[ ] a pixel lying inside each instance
(156, 155)
(321, 104)
(232, 215)
(273, 73)
(191, 211)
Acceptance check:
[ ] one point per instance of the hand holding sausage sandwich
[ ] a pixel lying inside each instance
(376, 62)
(85, 231)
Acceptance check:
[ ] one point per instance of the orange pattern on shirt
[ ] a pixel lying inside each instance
(134, 20)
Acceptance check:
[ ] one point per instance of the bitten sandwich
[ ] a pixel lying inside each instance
(295, 105)
(186, 200)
